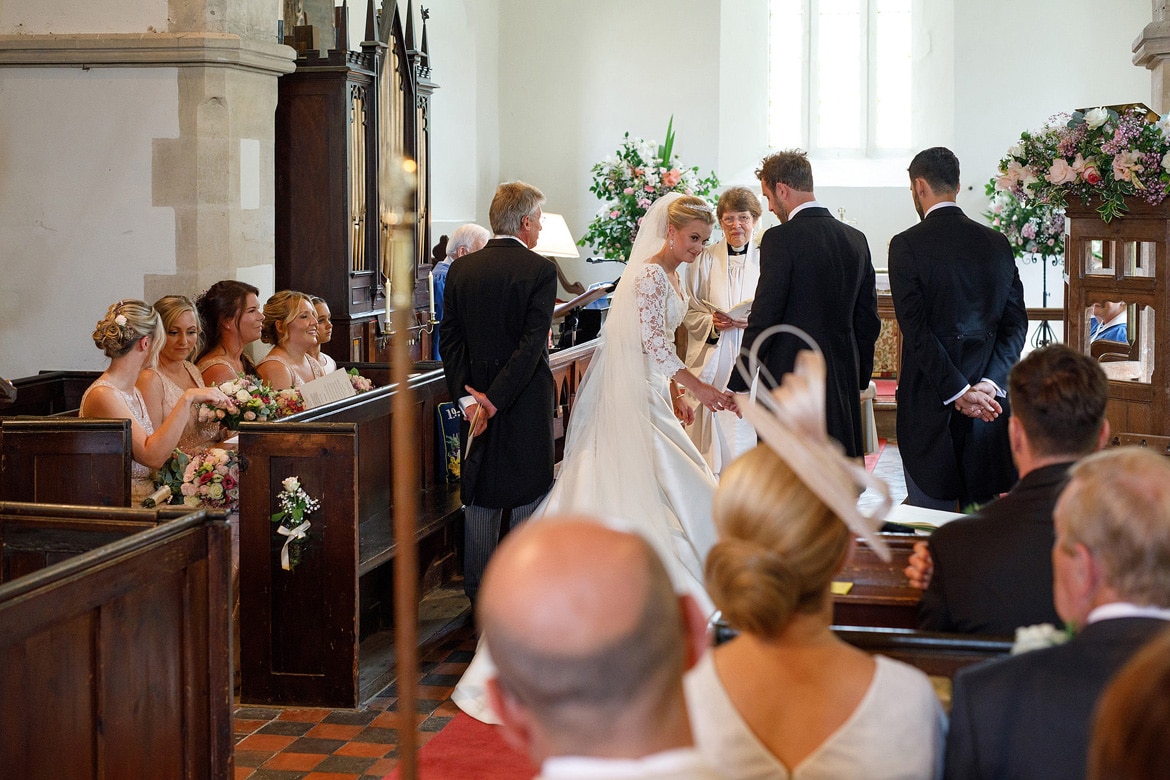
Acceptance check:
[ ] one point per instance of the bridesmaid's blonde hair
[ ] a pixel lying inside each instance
(281, 307)
(125, 324)
(779, 545)
(169, 307)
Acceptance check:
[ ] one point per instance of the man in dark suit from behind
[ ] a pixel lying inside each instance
(815, 273)
(1030, 715)
(991, 572)
(494, 345)
(960, 306)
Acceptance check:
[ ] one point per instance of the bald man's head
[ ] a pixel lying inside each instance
(582, 621)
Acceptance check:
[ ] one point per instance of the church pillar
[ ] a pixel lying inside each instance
(1152, 51)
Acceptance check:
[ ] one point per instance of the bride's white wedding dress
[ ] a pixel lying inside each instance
(627, 458)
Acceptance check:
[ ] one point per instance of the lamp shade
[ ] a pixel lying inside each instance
(555, 238)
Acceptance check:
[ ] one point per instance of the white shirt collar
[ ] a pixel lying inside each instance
(1122, 317)
(811, 204)
(1123, 609)
(662, 764)
(939, 205)
(514, 238)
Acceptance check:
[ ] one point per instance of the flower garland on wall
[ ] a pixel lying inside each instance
(627, 183)
(1110, 153)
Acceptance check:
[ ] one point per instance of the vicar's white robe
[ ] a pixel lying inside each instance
(725, 282)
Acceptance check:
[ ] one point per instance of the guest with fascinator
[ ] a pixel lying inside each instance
(231, 316)
(786, 697)
(131, 334)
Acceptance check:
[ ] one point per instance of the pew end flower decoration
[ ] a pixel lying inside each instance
(627, 183)
(1108, 153)
(360, 383)
(212, 479)
(289, 401)
(291, 520)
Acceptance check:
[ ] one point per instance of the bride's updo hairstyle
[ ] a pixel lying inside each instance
(281, 307)
(682, 211)
(779, 545)
(126, 323)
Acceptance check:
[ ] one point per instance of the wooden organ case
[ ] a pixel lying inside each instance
(342, 119)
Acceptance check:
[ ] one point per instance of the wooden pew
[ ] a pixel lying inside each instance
(881, 595)
(49, 393)
(320, 635)
(940, 655)
(65, 460)
(116, 662)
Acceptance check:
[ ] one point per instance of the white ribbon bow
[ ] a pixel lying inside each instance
(299, 532)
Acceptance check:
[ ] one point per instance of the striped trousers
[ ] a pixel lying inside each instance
(481, 534)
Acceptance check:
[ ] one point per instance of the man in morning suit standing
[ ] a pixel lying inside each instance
(991, 572)
(960, 306)
(1030, 715)
(494, 337)
(816, 274)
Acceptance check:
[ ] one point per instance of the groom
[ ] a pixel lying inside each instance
(493, 342)
(816, 274)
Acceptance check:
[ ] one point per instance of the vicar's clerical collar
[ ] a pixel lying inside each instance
(733, 251)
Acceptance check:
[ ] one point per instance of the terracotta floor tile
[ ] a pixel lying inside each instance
(439, 692)
(310, 715)
(387, 720)
(450, 668)
(242, 772)
(253, 758)
(247, 726)
(269, 742)
(334, 731)
(426, 736)
(332, 776)
(447, 709)
(301, 762)
(382, 767)
(363, 749)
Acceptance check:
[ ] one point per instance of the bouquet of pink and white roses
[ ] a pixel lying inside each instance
(360, 383)
(251, 400)
(1106, 153)
(212, 479)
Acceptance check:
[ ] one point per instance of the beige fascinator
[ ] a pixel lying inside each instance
(790, 418)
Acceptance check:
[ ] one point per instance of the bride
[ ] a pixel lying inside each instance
(626, 455)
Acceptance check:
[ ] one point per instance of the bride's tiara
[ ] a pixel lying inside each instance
(790, 418)
(704, 207)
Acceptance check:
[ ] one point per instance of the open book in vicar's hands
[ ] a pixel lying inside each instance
(739, 311)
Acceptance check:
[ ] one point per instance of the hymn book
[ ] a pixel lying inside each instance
(739, 311)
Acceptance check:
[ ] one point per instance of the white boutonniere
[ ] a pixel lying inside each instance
(1038, 637)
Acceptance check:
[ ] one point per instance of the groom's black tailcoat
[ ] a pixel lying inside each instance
(816, 274)
(960, 306)
(494, 337)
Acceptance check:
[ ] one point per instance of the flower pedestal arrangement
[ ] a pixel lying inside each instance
(1109, 167)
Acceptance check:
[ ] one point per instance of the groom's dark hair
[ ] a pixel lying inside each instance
(939, 167)
(790, 168)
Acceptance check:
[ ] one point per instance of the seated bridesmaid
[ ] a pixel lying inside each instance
(787, 698)
(290, 323)
(131, 335)
(324, 333)
(231, 317)
(162, 385)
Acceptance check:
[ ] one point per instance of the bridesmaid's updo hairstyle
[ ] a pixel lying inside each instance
(169, 307)
(282, 308)
(682, 211)
(126, 323)
(224, 301)
(779, 545)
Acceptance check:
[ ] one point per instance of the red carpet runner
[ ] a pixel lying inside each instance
(466, 749)
(872, 459)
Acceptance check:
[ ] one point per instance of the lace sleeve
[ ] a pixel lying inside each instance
(651, 289)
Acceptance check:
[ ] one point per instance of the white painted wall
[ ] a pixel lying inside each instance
(40, 17)
(78, 229)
